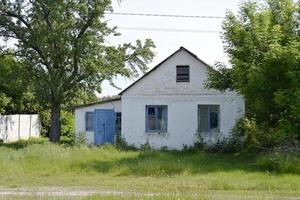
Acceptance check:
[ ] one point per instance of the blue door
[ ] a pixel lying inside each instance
(104, 126)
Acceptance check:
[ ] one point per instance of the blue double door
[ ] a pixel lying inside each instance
(104, 126)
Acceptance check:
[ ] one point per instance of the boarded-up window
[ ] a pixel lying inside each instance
(183, 73)
(209, 118)
(89, 121)
(156, 118)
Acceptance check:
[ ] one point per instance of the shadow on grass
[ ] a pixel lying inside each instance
(24, 143)
(157, 163)
(31, 141)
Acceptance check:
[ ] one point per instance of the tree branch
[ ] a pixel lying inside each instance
(14, 15)
(82, 31)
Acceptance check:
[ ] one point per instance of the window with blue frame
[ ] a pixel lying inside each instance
(209, 118)
(89, 121)
(156, 118)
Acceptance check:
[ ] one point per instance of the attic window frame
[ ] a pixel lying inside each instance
(178, 80)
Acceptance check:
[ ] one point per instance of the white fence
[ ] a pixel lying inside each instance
(16, 127)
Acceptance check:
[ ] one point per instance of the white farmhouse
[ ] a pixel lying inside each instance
(166, 107)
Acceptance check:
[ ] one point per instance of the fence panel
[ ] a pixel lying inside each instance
(16, 127)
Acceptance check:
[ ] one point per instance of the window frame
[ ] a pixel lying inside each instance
(89, 129)
(156, 118)
(118, 119)
(209, 129)
(182, 81)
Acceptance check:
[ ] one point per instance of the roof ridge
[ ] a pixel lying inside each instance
(159, 64)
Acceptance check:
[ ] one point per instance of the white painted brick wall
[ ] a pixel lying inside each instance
(182, 118)
(182, 99)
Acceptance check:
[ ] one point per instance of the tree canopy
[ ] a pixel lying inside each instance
(263, 46)
(16, 92)
(64, 49)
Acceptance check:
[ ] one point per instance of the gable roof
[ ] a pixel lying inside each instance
(154, 68)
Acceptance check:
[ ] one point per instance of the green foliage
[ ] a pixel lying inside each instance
(221, 78)
(230, 144)
(63, 46)
(263, 45)
(247, 129)
(258, 138)
(226, 145)
(4, 101)
(281, 161)
(121, 143)
(16, 93)
(67, 124)
(81, 138)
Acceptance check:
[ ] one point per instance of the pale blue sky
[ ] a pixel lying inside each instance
(207, 46)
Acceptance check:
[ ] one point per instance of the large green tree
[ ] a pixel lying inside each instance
(263, 44)
(63, 44)
(17, 95)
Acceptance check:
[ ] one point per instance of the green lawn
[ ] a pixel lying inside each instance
(147, 174)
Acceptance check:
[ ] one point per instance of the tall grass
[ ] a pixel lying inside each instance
(45, 164)
(50, 159)
(281, 162)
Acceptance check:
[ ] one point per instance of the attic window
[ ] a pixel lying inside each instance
(183, 73)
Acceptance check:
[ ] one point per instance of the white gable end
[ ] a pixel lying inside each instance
(162, 80)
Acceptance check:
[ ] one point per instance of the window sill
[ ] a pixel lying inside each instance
(209, 132)
(156, 132)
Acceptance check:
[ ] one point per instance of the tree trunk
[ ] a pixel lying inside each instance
(54, 135)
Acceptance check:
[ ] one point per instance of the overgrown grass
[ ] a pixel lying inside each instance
(281, 162)
(46, 164)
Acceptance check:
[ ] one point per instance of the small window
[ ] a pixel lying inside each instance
(156, 118)
(118, 121)
(89, 121)
(183, 73)
(209, 118)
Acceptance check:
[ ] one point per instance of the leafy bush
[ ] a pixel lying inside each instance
(259, 137)
(280, 161)
(67, 125)
(233, 143)
(248, 131)
(225, 145)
